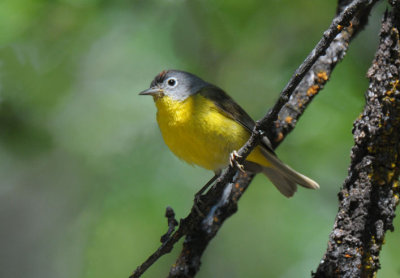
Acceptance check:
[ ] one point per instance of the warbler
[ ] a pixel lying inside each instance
(204, 126)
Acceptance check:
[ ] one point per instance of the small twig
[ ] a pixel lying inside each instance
(165, 248)
(172, 223)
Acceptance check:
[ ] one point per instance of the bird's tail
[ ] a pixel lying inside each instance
(283, 177)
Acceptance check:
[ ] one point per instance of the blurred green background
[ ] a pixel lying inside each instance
(85, 175)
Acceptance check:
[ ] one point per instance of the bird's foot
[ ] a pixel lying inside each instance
(233, 161)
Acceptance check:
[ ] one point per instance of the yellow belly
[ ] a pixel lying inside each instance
(198, 133)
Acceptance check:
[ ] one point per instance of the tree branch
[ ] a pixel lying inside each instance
(339, 22)
(371, 192)
(319, 74)
(220, 202)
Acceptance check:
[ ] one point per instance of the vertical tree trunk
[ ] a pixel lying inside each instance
(371, 192)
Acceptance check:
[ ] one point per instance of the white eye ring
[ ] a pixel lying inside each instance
(172, 82)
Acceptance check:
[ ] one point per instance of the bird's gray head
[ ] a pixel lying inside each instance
(176, 84)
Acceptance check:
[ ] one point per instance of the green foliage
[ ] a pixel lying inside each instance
(85, 175)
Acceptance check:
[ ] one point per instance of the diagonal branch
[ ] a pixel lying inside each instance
(371, 191)
(220, 202)
(339, 22)
(318, 75)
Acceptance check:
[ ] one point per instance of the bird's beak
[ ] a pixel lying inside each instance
(152, 92)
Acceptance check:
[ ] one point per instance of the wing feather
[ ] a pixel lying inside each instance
(232, 110)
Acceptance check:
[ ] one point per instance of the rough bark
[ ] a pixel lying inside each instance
(370, 193)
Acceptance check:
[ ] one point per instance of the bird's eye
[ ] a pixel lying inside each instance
(172, 82)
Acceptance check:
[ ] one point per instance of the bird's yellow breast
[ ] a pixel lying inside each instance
(196, 131)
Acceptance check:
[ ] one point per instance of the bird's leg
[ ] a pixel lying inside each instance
(205, 187)
(197, 199)
(232, 160)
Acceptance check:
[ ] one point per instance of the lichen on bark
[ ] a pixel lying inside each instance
(370, 193)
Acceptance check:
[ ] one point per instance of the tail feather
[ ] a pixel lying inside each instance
(284, 185)
(283, 177)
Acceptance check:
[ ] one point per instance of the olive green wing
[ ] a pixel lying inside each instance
(231, 109)
(281, 175)
(228, 106)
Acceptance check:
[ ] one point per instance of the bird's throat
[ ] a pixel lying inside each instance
(173, 112)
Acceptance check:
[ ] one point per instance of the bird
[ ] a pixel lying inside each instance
(204, 126)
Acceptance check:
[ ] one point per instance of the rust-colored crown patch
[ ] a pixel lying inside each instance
(159, 78)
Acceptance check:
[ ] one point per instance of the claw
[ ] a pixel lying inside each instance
(233, 161)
